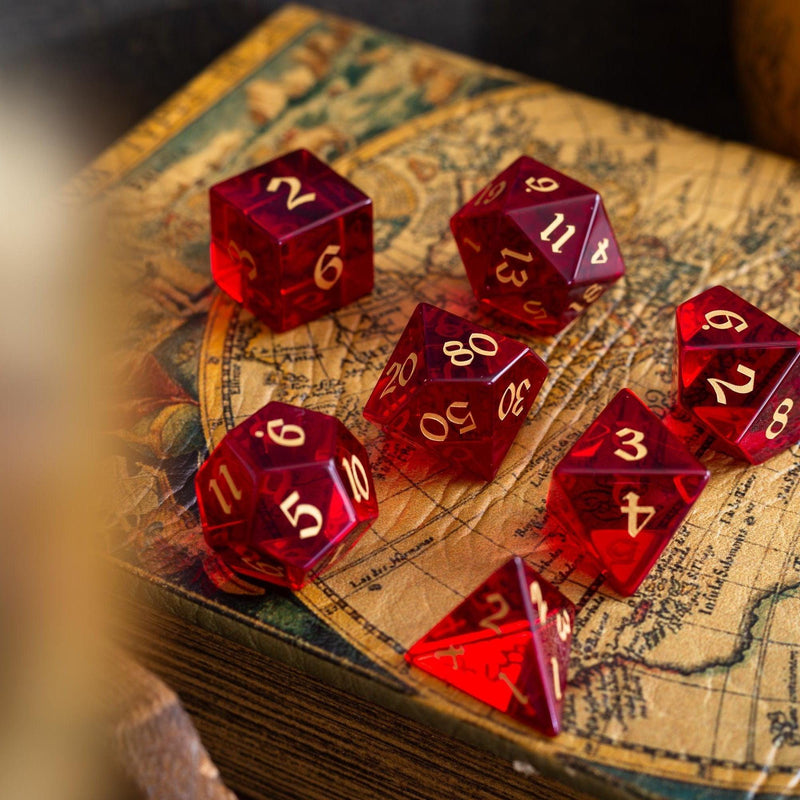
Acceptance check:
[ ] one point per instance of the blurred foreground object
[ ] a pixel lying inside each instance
(767, 42)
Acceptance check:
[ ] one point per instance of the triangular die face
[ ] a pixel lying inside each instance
(404, 373)
(777, 426)
(727, 388)
(501, 671)
(601, 261)
(719, 318)
(558, 230)
(535, 183)
(628, 438)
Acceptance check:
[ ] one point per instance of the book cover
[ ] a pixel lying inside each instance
(690, 686)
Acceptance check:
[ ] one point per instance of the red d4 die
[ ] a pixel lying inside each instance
(624, 488)
(284, 494)
(537, 245)
(507, 645)
(291, 240)
(456, 388)
(738, 374)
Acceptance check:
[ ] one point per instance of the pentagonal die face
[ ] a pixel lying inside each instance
(507, 644)
(310, 498)
(624, 488)
(738, 374)
(537, 245)
(291, 240)
(457, 389)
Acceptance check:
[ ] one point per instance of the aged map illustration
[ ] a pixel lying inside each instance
(694, 679)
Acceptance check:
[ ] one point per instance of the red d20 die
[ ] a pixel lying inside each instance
(291, 240)
(738, 374)
(458, 389)
(507, 645)
(624, 488)
(537, 245)
(284, 494)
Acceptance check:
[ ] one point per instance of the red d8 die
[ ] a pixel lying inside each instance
(537, 245)
(738, 373)
(624, 488)
(291, 240)
(284, 494)
(507, 645)
(458, 389)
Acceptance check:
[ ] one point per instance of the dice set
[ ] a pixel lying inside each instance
(290, 490)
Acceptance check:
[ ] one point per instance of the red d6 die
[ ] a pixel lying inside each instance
(291, 240)
(284, 494)
(507, 645)
(458, 389)
(624, 488)
(738, 374)
(537, 245)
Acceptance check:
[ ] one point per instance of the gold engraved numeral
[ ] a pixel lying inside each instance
(556, 677)
(780, 419)
(451, 652)
(489, 193)
(489, 622)
(543, 184)
(518, 278)
(730, 319)
(512, 401)
(519, 696)
(323, 269)
(474, 245)
(285, 434)
(600, 255)
(295, 198)
(717, 384)
(400, 373)
(467, 420)
(634, 512)
(357, 475)
(479, 343)
(632, 438)
(589, 296)
(302, 510)
(243, 256)
(535, 309)
(569, 232)
(236, 493)
(563, 624)
(535, 591)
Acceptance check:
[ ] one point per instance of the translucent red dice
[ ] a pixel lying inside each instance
(285, 494)
(291, 240)
(537, 245)
(624, 488)
(738, 374)
(456, 388)
(507, 645)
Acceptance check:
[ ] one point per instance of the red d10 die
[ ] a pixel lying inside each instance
(291, 240)
(507, 645)
(738, 374)
(456, 388)
(537, 245)
(624, 488)
(284, 494)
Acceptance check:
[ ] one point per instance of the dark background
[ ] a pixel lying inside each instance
(98, 66)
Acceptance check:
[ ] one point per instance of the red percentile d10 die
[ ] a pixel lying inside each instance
(537, 245)
(738, 374)
(624, 488)
(458, 389)
(284, 494)
(291, 240)
(507, 645)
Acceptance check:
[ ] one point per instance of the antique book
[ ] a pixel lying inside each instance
(687, 688)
